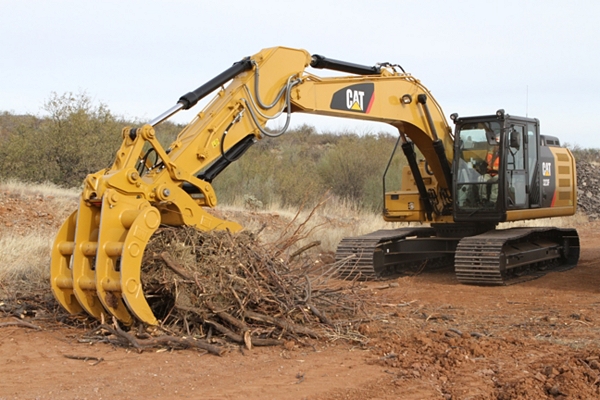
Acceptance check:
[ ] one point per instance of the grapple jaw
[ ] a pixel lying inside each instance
(97, 259)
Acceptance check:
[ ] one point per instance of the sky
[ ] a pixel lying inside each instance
(532, 58)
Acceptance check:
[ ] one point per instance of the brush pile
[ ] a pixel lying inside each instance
(230, 288)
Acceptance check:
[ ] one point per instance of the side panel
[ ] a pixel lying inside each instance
(405, 205)
(559, 186)
(558, 178)
(566, 179)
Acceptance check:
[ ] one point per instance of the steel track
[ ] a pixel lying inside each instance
(356, 254)
(505, 257)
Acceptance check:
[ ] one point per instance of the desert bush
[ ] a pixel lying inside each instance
(353, 169)
(586, 155)
(78, 137)
(75, 139)
(299, 167)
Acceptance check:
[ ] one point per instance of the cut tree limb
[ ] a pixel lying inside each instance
(178, 269)
(282, 324)
(304, 248)
(225, 316)
(18, 322)
(239, 339)
(141, 344)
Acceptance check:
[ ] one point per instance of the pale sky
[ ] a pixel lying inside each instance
(535, 58)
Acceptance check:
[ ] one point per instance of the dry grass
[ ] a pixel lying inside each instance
(25, 258)
(330, 222)
(45, 189)
(25, 251)
(24, 261)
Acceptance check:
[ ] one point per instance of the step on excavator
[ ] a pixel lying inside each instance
(493, 168)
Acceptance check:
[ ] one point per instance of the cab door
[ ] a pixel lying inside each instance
(516, 158)
(533, 165)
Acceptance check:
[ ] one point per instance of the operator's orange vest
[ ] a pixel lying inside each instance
(493, 162)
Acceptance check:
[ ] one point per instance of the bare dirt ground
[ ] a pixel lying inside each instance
(428, 338)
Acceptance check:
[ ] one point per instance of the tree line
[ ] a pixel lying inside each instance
(76, 137)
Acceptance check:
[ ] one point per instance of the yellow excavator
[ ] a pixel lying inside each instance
(491, 169)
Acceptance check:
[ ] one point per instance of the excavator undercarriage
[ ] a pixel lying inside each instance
(495, 257)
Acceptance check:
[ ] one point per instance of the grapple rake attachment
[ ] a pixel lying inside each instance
(97, 254)
(97, 257)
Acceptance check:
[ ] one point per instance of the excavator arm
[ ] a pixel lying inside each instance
(97, 254)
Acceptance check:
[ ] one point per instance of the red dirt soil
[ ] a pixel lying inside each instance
(430, 338)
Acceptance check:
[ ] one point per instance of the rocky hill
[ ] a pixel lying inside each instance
(588, 184)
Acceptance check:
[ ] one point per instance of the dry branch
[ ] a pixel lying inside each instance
(225, 316)
(174, 266)
(85, 358)
(322, 317)
(160, 341)
(304, 248)
(282, 324)
(18, 322)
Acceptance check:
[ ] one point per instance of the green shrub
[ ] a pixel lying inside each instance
(77, 138)
(298, 168)
(353, 169)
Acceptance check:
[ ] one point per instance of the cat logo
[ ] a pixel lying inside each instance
(547, 169)
(357, 98)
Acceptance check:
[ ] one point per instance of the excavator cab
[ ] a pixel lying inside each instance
(496, 166)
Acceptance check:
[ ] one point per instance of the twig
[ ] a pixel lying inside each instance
(130, 338)
(282, 324)
(18, 322)
(286, 241)
(262, 228)
(457, 331)
(85, 358)
(304, 248)
(405, 304)
(308, 289)
(174, 266)
(322, 317)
